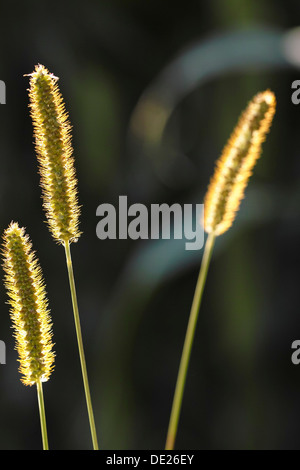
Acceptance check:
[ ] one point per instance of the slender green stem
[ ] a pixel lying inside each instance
(188, 342)
(42, 415)
(80, 346)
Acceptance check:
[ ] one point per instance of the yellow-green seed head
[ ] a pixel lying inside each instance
(52, 133)
(29, 307)
(234, 167)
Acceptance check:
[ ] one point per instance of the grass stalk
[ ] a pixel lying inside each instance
(42, 414)
(188, 342)
(80, 346)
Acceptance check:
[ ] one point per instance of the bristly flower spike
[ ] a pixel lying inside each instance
(234, 167)
(29, 313)
(55, 155)
(29, 307)
(221, 203)
(54, 151)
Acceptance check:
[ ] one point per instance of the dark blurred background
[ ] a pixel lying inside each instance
(153, 90)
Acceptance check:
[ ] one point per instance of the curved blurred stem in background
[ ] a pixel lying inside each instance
(187, 347)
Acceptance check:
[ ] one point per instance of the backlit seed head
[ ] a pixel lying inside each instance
(52, 133)
(29, 307)
(234, 167)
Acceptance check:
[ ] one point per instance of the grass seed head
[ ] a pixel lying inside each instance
(234, 167)
(29, 307)
(52, 132)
